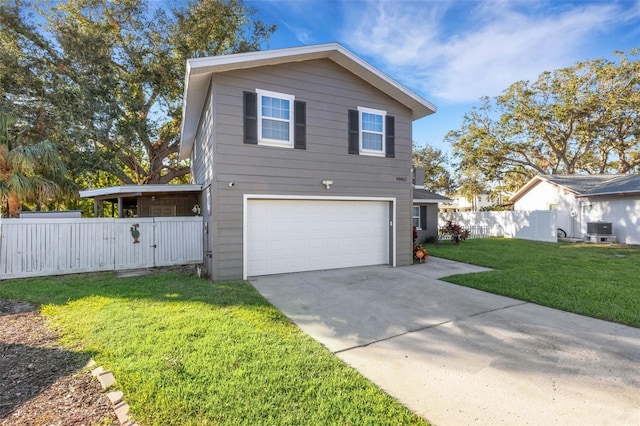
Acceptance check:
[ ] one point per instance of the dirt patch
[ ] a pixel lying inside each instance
(41, 382)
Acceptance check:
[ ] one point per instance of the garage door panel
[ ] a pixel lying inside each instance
(260, 246)
(297, 245)
(302, 235)
(315, 243)
(279, 245)
(259, 264)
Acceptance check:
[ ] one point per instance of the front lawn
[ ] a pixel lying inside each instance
(187, 351)
(601, 281)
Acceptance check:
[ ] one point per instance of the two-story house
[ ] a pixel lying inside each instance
(304, 157)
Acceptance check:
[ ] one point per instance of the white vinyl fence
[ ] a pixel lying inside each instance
(38, 247)
(538, 225)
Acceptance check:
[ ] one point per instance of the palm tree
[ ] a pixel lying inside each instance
(28, 172)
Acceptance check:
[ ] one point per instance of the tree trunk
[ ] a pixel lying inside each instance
(14, 205)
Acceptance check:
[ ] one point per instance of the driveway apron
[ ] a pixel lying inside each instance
(459, 356)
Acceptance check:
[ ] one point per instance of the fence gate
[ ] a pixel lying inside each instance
(38, 247)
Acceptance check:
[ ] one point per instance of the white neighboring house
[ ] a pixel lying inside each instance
(461, 203)
(580, 200)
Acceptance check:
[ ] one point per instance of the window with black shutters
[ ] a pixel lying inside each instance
(371, 132)
(274, 119)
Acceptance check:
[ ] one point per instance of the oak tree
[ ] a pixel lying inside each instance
(436, 166)
(106, 76)
(579, 119)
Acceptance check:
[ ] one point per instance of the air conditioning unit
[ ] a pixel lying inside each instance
(599, 228)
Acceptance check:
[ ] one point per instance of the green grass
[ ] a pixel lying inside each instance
(594, 280)
(187, 351)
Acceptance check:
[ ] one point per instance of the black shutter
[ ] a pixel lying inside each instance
(354, 132)
(300, 125)
(250, 105)
(390, 137)
(423, 217)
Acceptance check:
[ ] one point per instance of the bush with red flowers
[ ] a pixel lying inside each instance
(456, 232)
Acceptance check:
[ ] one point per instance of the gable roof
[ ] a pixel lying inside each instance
(424, 196)
(616, 185)
(200, 70)
(587, 185)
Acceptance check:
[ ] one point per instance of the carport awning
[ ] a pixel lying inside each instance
(126, 194)
(115, 192)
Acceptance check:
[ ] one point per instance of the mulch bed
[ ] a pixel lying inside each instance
(41, 382)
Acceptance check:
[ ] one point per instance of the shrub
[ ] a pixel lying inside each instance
(456, 232)
(431, 239)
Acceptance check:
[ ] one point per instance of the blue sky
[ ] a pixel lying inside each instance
(453, 52)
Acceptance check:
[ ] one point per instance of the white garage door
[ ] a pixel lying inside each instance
(306, 235)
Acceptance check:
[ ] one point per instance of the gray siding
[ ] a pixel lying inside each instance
(202, 172)
(329, 92)
(202, 154)
(432, 224)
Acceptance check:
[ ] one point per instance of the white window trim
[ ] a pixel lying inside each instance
(419, 217)
(276, 142)
(372, 152)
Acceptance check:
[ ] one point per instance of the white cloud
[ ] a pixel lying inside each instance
(398, 32)
(307, 21)
(458, 52)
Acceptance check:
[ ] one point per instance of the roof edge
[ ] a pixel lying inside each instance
(535, 181)
(431, 200)
(600, 194)
(148, 188)
(525, 188)
(197, 68)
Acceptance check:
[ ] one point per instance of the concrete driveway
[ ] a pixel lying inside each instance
(458, 356)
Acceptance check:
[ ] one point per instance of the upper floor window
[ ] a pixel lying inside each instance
(372, 131)
(275, 123)
(274, 119)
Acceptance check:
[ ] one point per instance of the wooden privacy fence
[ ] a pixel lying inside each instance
(536, 225)
(38, 247)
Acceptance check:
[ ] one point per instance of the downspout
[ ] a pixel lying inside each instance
(585, 207)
